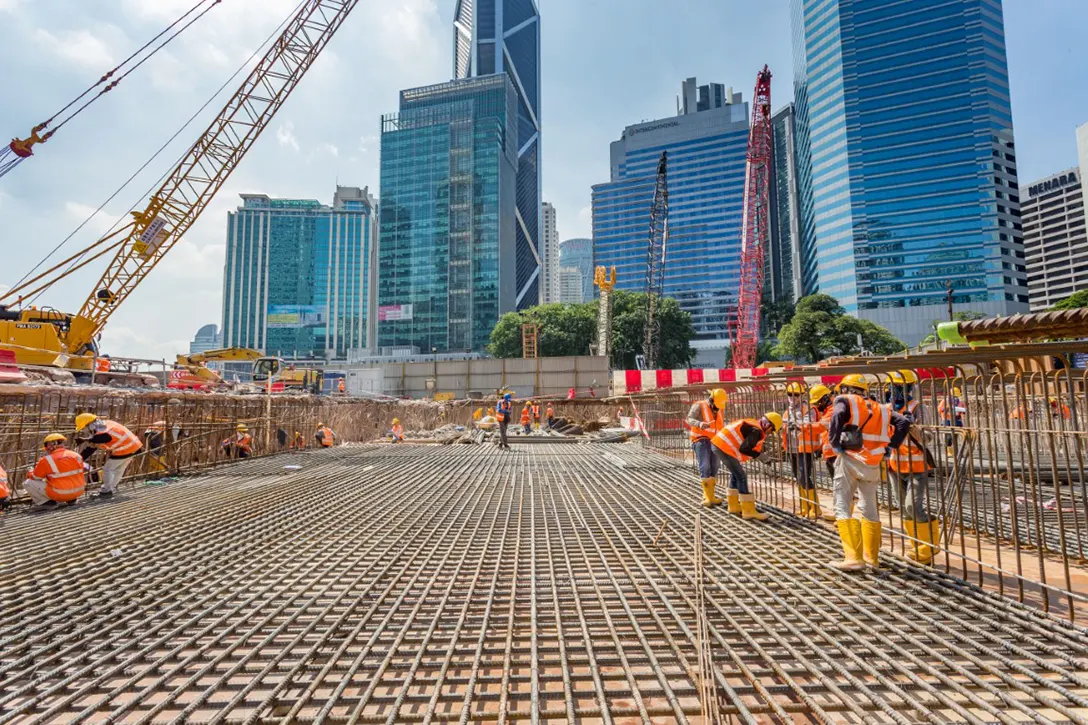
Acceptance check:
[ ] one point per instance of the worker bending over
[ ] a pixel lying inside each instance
(909, 468)
(59, 476)
(120, 445)
(801, 440)
(324, 436)
(740, 441)
(504, 411)
(5, 490)
(239, 445)
(862, 433)
(703, 421)
(397, 432)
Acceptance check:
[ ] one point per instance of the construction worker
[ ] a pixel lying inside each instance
(570, 394)
(950, 409)
(155, 442)
(5, 490)
(536, 414)
(909, 469)
(549, 416)
(820, 397)
(58, 477)
(1057, 408)
(703, 421)
(737, 442)
(504, 411)
(324, 436)
(120, 445)
(340, 386)
(526, 417)
(861, 435)
(801, 440)
(397, 432)
(239, 445)
(299, 442)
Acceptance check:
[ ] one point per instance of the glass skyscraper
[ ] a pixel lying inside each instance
(296, 274)
(447, 244)
(707, 146)
(578, 253)
(783, 279)
(906, 161)
(503, 36)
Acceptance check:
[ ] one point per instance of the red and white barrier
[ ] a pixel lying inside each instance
(627, 382)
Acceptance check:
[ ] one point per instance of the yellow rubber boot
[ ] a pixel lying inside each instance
(850, 534)
(709, 499)
(748, 508)
(804, 508)
(914, 549)
(733, 497)
(870, 542)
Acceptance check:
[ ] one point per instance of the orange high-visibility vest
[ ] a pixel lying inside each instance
(908, 457)
(4, 490)
(123, 442)
(808, 432)
(729, 440)
(525, 416)
(326, 437)
(875, 421)
(62, 471)
(536, 412)
(825, 442)
(714, 419)
(398, 431)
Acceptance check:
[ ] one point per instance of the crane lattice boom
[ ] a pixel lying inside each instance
(655, 261)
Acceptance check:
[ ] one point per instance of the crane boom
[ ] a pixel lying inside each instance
(189, 188)
(656, 247)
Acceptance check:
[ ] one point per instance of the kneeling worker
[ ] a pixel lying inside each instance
(119, 442)
(240, 445)
(740, 441)
(397, 432)
(704, 420)
(59, 475)
(324, 436)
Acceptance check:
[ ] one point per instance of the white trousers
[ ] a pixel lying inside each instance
(112, 473)
(854, 478)
(36, 489)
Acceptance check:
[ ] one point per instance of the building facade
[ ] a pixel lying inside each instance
(503, 36)
(1082, 160)
(549, 287)
(206, 338)
(296, 274)
(570, 286)
(707, 146)
(578, 253)
(906, 160)
(447, 252)
(783, 275)
(1055, 238)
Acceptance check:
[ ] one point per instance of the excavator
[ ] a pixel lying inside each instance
(191, 372)
(54, 341)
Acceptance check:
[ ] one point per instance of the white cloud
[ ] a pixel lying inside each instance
(100, 224)
(285, 134)
(188, 261)
(78, 47)
(121, 341)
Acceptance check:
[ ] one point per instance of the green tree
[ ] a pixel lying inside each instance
(820, 328)
(931, 338)
(773, 315)
(629, 324)
(563, 330)
(1072, 302)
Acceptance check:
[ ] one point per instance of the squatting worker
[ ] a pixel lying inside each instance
(58, 476)
(910, 469)
(324, 436)
(5, 490)
(239, 445)
(120, 445)
(397, 432)
(704, 420)
(504, 411)
(801, 440)
(737, 442)
(862, 432)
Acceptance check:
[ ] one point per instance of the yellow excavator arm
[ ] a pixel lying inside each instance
(222, 354)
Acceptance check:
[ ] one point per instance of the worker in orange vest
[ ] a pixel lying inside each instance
(737, 442)
(703, 421)
(398, 431)
(862, 433)
(299, 442)
(239, 445)
(120, 445)
(549, 416)
(5, 490)
(504, 411)
(536, 415)
(801, 441)
(58, 477)
(526, 417)
(324, 436)
(340, 386)
(909, 470)
(820, 397)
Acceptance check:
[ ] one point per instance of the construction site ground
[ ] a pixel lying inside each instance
(401, 584)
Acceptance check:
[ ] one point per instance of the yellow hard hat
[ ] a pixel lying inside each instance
(54, 438)
(896, 377)
(854, 380)
(817, 393)
(320, 425)
(242, 426)
(909, 376)
(775, 418)
(396, 421)
(957, 392)
(85, 419)
(478, 413)
(720, 398)
(795, 388)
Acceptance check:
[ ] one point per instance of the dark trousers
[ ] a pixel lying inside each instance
(802, 466)
(503, 443)
(738, 478)
(830, 463)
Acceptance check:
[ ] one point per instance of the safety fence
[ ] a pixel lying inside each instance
(184, 433)
(996, 459)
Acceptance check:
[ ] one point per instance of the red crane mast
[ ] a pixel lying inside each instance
(755, 225)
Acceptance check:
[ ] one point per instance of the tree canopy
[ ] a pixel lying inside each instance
(1073, 301)
(566, 329)
(820, 328)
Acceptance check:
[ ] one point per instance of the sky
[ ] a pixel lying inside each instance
(605, 64)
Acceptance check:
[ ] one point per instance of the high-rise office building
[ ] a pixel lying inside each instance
(906, 162)
(707, 146)
(296, 275)
(570, 286)
(578, 253)
(1055, 238)
(549, 288)
(447, 243)
(503, 36)
(206, 338)
(783, 275)
(1082, 161)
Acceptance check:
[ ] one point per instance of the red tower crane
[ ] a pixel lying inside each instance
(755, 225)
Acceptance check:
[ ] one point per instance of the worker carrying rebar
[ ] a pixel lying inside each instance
(5, 490)
(58, 477)
(739, 441)
(324, 436)
(120, 445)
(862, 433)
(703, 421)
(801, 435)
(397, 432)
(504, 411)
(909, 468)
(239, 445)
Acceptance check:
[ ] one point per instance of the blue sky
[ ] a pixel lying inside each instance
(606, 64)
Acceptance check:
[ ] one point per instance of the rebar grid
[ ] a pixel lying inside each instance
(404, 584)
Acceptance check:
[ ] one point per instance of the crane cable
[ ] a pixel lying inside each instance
(74, 262)
(21, 149)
